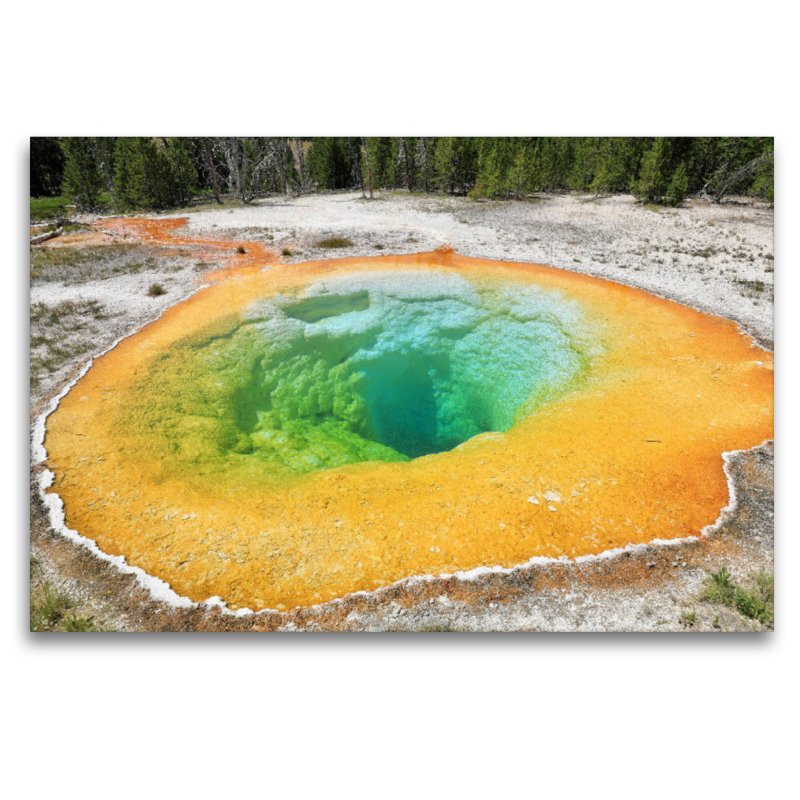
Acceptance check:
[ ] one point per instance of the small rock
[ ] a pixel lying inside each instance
(533, 500)
(651, 564)
(683, 564)
(674, 563)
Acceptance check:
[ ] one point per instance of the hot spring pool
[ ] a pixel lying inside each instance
(285, 437)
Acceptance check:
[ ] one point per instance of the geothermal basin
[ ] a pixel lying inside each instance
(287, 436)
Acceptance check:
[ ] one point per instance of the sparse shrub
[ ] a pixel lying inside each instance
(688, 618)
(78, 624)
(240, 250)
(156, 290)
(334, 242)
(286, 252)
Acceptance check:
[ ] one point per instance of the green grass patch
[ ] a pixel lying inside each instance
(43, 208)
(49, 207)
(756, 601)
(156, 290)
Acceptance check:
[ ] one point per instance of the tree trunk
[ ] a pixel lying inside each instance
(408, 167)
(426, 162)
(369, 166)
(211, 169)
(301, 162)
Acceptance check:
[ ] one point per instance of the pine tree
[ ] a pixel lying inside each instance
(552, 163)
(584, 163)
(83, 181)
(519, 180)
(678, 186)
(617, 163)
(444, 164)
(128, 174)
(495, 164)
(655, 174)
(183, 174)
(330, 163)
(103, 148)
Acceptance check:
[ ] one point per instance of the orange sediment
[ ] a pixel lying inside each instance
(631, 455)
(167, 233)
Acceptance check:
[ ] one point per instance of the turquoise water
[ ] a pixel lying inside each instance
(382, 366)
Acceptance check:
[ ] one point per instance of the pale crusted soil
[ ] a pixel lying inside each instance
(707, 256)
(716, 258)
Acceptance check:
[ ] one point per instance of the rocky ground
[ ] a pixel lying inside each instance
(88, 290)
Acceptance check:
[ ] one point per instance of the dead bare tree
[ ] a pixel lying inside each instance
(365, 145)
(726, 183)
(424, 149)
(403, 157)
(212, 171)
(247, 158)
(299, 153)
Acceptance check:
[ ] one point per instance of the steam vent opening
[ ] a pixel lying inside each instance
(288, 436)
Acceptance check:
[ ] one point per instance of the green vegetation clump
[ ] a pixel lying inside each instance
(44, 208)
(334, 242)
(240, 250)
(50, 607)
(156, 290)
(756, 602)
(688, 618)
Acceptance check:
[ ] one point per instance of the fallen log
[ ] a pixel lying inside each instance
(43, 237)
